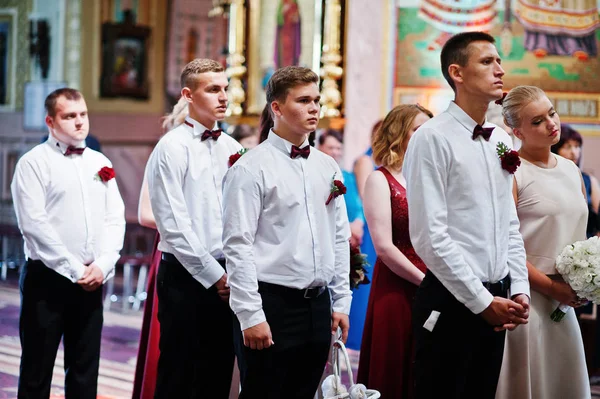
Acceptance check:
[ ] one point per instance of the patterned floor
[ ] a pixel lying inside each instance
(118, 354)
(119, 349)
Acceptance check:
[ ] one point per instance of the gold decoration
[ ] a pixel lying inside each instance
(235, 59)
(331, 72)
(220, 8)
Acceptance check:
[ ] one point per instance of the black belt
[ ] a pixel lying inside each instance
(499, 288)
(167, 257)
(308, 293)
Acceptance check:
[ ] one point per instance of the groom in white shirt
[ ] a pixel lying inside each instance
(72, 219)
(464, 226)
(287, 250)
(184, 173)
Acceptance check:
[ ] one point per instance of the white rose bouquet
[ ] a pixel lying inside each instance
(579, 264)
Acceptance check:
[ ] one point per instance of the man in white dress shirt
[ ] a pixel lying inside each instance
(185, 172)
(72, 219)
(287, 251)
(464, 226)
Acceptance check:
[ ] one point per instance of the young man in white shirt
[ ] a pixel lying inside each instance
(72, 219)
(185, 173)
(287, 250)
(464, 226)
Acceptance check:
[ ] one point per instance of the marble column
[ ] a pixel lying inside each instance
(368, 71)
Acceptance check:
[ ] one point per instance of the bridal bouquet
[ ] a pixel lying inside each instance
(579, 264)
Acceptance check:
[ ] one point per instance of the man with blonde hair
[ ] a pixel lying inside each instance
(184, 173)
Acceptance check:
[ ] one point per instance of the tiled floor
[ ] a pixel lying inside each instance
(119, 350)
(120, 337)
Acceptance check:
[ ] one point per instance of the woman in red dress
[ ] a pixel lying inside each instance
(387, 346)
(148, 352)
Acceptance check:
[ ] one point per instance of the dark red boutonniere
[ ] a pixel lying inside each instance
(233, 158)
(509, 159)
(501, 100)
(105, 174)
(337, 189)
(358, 264)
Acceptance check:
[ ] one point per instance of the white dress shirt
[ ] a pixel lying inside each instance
(277, 228)
(68, 217)
(185, 175)
(462, 217)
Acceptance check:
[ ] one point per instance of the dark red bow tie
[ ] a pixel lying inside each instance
(74, 150)
(484, 132)
(211, 134)
(300, 152)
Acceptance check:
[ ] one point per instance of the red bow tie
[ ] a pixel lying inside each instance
(484, 132)
(300, 152)
(74, 150)
(211, 134)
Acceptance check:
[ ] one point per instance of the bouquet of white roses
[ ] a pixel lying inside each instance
(579, 264)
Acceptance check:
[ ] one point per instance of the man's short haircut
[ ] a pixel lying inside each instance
(66, 92)
(196, 67)
(287, 78)
(456, 51)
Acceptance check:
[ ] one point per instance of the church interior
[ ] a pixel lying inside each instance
(126, 57)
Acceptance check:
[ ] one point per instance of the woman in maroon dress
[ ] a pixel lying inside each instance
(387, 345)
(147, 360)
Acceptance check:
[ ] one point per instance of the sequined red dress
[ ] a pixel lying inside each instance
(387, 347)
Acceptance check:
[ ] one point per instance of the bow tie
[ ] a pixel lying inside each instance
(211, 134)
(300, 152)
(484, 132)
(74, 150)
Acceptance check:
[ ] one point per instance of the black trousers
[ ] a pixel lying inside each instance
(52, 307)
(196, 337)
(462, 356)
(293, 366)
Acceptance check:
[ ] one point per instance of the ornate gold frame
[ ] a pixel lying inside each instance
(326, 56)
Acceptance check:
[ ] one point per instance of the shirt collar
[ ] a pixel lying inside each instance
(197, 127)
(62, 147)
(461, 116)
(281, 143)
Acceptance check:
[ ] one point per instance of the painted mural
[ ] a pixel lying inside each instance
(548, 43)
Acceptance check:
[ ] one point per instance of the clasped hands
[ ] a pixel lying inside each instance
(507, 314)
(92, 278)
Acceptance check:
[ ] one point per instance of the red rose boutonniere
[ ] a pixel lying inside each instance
(105, 174)
(234, 157)
(337, 189)
(509, 159)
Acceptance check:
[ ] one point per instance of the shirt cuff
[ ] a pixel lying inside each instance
(481, 302)
(249, 318)
(210, 274)
(106, 265)
(77, 270)
(518, 288)
(342, 305)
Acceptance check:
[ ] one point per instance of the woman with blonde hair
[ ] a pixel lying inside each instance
(387, 344)
(544, 358)
(147, 361)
